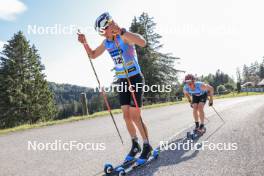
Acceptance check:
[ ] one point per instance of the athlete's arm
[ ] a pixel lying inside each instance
(210, 89)
(128, 37)
(92, 53)
(188, 96)
(133, 38)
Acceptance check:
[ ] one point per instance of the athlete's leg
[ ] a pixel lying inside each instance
(125, 106)
(137, 119)
(124, 99)
(195, 112)
(200, 109)
(146, 152)
(135, 148)
(136, 116)
(201, 116)
(135, 111)
(129, 122)
(201, 103)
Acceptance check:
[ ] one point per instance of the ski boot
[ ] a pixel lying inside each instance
(146, 153)
(135, 149)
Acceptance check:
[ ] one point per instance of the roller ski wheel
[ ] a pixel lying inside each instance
(188, 135)
(195, 130)
(155, 154)
(200, 132)
(191, 136)
(108, 169)
(120, 171)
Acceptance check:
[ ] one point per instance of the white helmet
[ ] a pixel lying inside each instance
(102, 22)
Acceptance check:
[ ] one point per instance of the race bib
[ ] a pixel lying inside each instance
(118, 61)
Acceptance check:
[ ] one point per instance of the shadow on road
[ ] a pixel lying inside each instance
(166, 158)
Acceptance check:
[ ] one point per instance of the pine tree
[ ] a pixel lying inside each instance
(238, 74)
(220, 78)
(261, 70)
(24, 93)
(246, 73)
(158, 68)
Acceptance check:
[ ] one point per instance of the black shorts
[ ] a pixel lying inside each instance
(125, 96)
(199, 99)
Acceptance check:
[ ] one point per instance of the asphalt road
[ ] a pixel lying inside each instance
(243, 131)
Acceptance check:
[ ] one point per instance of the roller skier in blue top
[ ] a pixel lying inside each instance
(197, 93)
(120, 44)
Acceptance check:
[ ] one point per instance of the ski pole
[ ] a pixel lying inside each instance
(207, 119)
(218, 114)
(129, 84)
(102, 91)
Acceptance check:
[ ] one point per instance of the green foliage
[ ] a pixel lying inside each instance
(220, 89)
(239, 77)
(229, 86)
(24, 93)
(238, 87)
(219, 78)
(158, 68)
(261, 70)
(67, 99)
(246, 74)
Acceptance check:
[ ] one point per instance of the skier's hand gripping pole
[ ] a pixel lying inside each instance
(82, 39)
(211, 105)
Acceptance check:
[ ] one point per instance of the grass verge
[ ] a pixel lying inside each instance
(114, 111)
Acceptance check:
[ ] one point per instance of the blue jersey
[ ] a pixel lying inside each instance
(129, 57)
(197, 91)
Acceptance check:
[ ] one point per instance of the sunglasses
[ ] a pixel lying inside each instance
(188, 81)
(109, 23)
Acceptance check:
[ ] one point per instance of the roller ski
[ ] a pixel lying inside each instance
(119, 170)
(129, 161)
(197, 133)
(147, 155)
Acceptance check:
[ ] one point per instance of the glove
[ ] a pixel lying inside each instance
(211, 103)
(191, 104)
